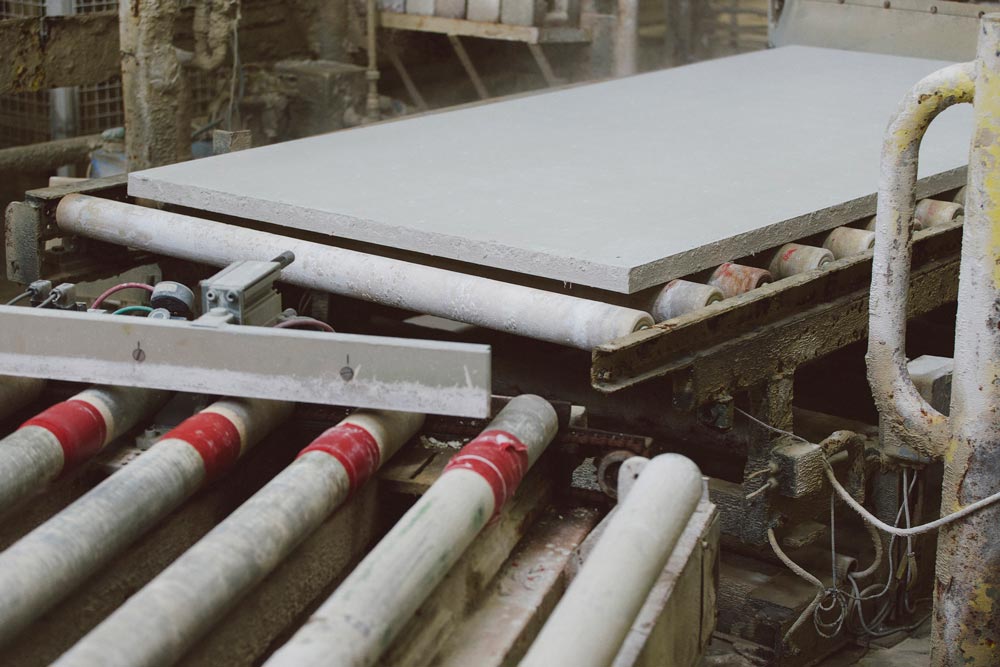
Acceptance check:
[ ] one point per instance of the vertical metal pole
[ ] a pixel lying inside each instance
(372, 73)
(967, 590)
(627, 38)
(152, 84)
(65, 111)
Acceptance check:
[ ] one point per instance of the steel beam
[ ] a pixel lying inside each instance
(784, 324)
(256, 362)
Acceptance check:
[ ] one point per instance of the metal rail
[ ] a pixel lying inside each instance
(968, 559)
(749, 337)
(256, 362)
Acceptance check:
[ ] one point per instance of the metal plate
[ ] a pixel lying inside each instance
(619, 185)
(259, 362)
(918, 28)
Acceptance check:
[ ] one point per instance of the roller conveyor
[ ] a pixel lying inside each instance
(620, 185)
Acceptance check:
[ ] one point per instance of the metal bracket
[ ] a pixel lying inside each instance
(260, 362)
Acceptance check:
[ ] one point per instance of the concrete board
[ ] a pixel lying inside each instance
(453, 9)
(425, 7)
(520, 12)
(618, 185)
(486, 11)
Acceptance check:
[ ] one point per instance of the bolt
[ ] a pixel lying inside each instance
(347, 373)
(138, 353)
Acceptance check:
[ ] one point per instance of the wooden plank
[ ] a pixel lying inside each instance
(459, 27)
(454, 598)
(522, 595)
(56, 51)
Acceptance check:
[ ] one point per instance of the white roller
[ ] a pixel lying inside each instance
(524, 311)
(355, 625)
(15, 393)
(184, 601)
(592, 619)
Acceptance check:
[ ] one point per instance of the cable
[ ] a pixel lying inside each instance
(801, 572)
(867, 594)
(118, 288)
(905, 532)
(49, 299)
(877, 560)
(789, 563)
(868, 516)
(20, 297)
(133, 309)
(304, 323)
(775, 429)
(769, 483)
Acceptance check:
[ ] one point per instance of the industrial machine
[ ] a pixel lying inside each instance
(572, 378)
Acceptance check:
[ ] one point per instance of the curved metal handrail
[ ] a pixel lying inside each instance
(899, 403)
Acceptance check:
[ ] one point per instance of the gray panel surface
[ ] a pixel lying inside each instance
(619, 185)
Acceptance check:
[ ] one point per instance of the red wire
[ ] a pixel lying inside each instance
(304, 323)
(118, 288)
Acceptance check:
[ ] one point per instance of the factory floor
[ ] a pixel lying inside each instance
(913, 651)
(892, 651)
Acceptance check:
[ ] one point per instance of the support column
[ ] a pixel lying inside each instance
(152, 84)
(967, 587)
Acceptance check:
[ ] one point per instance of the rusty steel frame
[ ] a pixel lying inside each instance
(966, 631)
(966, 626)
(746, 340)
(45, 52)
(31, 223)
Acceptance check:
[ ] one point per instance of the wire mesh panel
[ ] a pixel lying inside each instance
(735, 26)
(24, 118)
(101, 106)
(13, 9)
(89, 6)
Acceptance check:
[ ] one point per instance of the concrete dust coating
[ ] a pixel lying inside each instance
(618, 185)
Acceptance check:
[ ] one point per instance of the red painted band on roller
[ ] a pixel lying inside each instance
(498, 457)
(355, 448)
(77, 425)
(214, 436)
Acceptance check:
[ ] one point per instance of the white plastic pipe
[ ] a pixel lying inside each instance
(15, 393)
(679, 297)
(591, 621)
(524, 311)
(361, 619)
(68, 434)
(52, 560)
(185, 600)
